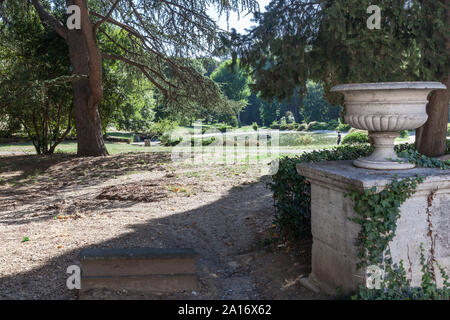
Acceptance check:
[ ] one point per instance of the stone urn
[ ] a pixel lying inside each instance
(384, 109)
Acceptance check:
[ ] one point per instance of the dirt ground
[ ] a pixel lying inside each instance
(52, 207)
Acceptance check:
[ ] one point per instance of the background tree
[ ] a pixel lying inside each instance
(34, 90)
(315, 107)
(209, 65)
(269, 112)
(160, 36)
(234, 83)
(329, 42)
(252, 113)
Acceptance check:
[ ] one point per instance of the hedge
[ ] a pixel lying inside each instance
(292, 193)
(356, 137)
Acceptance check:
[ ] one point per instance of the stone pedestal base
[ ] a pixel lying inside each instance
(334, 255)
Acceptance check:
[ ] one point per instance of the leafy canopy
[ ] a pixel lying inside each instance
(163, 39)
(328, 41)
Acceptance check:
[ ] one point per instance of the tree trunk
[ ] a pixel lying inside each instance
(86, 60)
(87, 93)
(431, 139)
(87, 122)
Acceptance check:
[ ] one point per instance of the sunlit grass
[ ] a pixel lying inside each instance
(319, 141)
(71, 147)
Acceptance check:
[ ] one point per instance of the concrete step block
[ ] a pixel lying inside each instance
(139, 269)
(148, 283)
(118, 267)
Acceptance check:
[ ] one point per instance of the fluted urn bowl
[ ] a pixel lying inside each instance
(384, 109)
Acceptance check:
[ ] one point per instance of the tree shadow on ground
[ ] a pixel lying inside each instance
(227, 234)
(31, 180)
(69, 169)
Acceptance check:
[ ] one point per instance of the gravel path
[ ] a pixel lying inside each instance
(223, 212)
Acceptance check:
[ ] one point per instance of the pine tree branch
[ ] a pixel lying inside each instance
(49, 19)
(141, 67)
(100, 22)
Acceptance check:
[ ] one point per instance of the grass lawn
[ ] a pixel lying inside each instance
(71, 147)
(290, 143)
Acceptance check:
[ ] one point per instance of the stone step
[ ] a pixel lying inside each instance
(139, 269)
(147, 283)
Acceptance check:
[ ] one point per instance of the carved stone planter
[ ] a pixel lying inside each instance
(384, 109)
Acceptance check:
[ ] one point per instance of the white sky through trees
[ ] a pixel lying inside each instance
(239, 23)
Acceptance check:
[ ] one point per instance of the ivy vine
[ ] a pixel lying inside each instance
(397, 286)
(378, 214)
(420, 160)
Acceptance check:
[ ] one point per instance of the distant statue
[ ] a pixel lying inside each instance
(339, 138)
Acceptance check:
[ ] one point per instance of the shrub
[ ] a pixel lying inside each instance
(255, 126)
(118, 139)
(224, 128)
(9, 126)
(343, 126)
(321, 126)
(168, 141)
(356, 137)
(290, 117)
(203, 141)
(332, 125)
(314, 125)
(283, 126)
(404, 134)
(292, 193)
(356, 130)
(234, 122)
(288, 126)
(162, 127)
(275, 126)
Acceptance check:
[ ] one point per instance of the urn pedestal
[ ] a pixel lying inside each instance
(334, 254)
